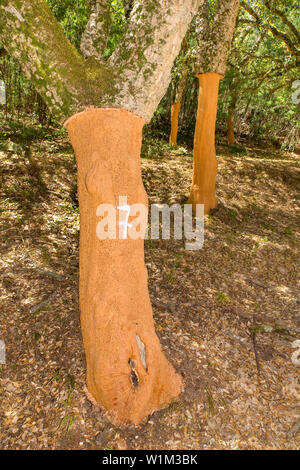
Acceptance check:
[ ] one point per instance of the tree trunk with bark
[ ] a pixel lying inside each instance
(104, 106)
(214, 40)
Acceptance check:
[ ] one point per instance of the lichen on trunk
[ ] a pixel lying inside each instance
(31, 34)
(95, 36)
(145, 63)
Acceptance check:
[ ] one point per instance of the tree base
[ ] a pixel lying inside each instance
(198, 196)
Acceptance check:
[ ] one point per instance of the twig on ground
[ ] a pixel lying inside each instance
(238, 339)
(295, 429)
(55, 275)
(37, 307)
(160, 304)
(253, 337)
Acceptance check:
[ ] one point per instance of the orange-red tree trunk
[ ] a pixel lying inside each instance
(175, 110)
(127, 373)
(205, 160)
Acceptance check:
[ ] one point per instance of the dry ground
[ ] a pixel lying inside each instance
(210, 306)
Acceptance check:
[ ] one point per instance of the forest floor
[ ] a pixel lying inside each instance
(213, 308)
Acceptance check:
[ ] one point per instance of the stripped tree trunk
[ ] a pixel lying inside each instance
(205, 160)
(104, 106)
(175, 110)
(214, 40)
(178, 86)
(127, 372)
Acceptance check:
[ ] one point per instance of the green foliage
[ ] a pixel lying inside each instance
(257, 89)
(118, 27)
(73, 16)
(262, 68)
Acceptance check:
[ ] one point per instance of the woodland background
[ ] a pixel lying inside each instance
(257, 88)
(227, 315)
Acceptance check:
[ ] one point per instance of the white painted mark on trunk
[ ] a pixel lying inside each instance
(124, 223)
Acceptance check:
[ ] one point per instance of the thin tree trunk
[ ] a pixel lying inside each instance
(127, 373)
(230, 120)
(230, 130)
(205, 160)
(175, 110)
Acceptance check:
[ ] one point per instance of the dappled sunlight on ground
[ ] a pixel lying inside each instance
(210, 306)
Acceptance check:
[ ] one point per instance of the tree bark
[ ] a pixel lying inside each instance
(127, 372)
(96, 34)
(214, 39)
(205, 160)
(30, 33)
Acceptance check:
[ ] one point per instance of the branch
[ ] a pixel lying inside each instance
(96, 34)
(275, 32)
(30, 33)
(284, 18)
(254, 48)
(145, 56)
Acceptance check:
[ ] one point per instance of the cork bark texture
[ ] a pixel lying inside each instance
(127, 373)
(214, 32)
(148, 50)
(135, 77)
(95, 37)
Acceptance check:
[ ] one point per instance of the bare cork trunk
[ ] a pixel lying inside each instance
(127, 372)
(205, 160)
(175, 109)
